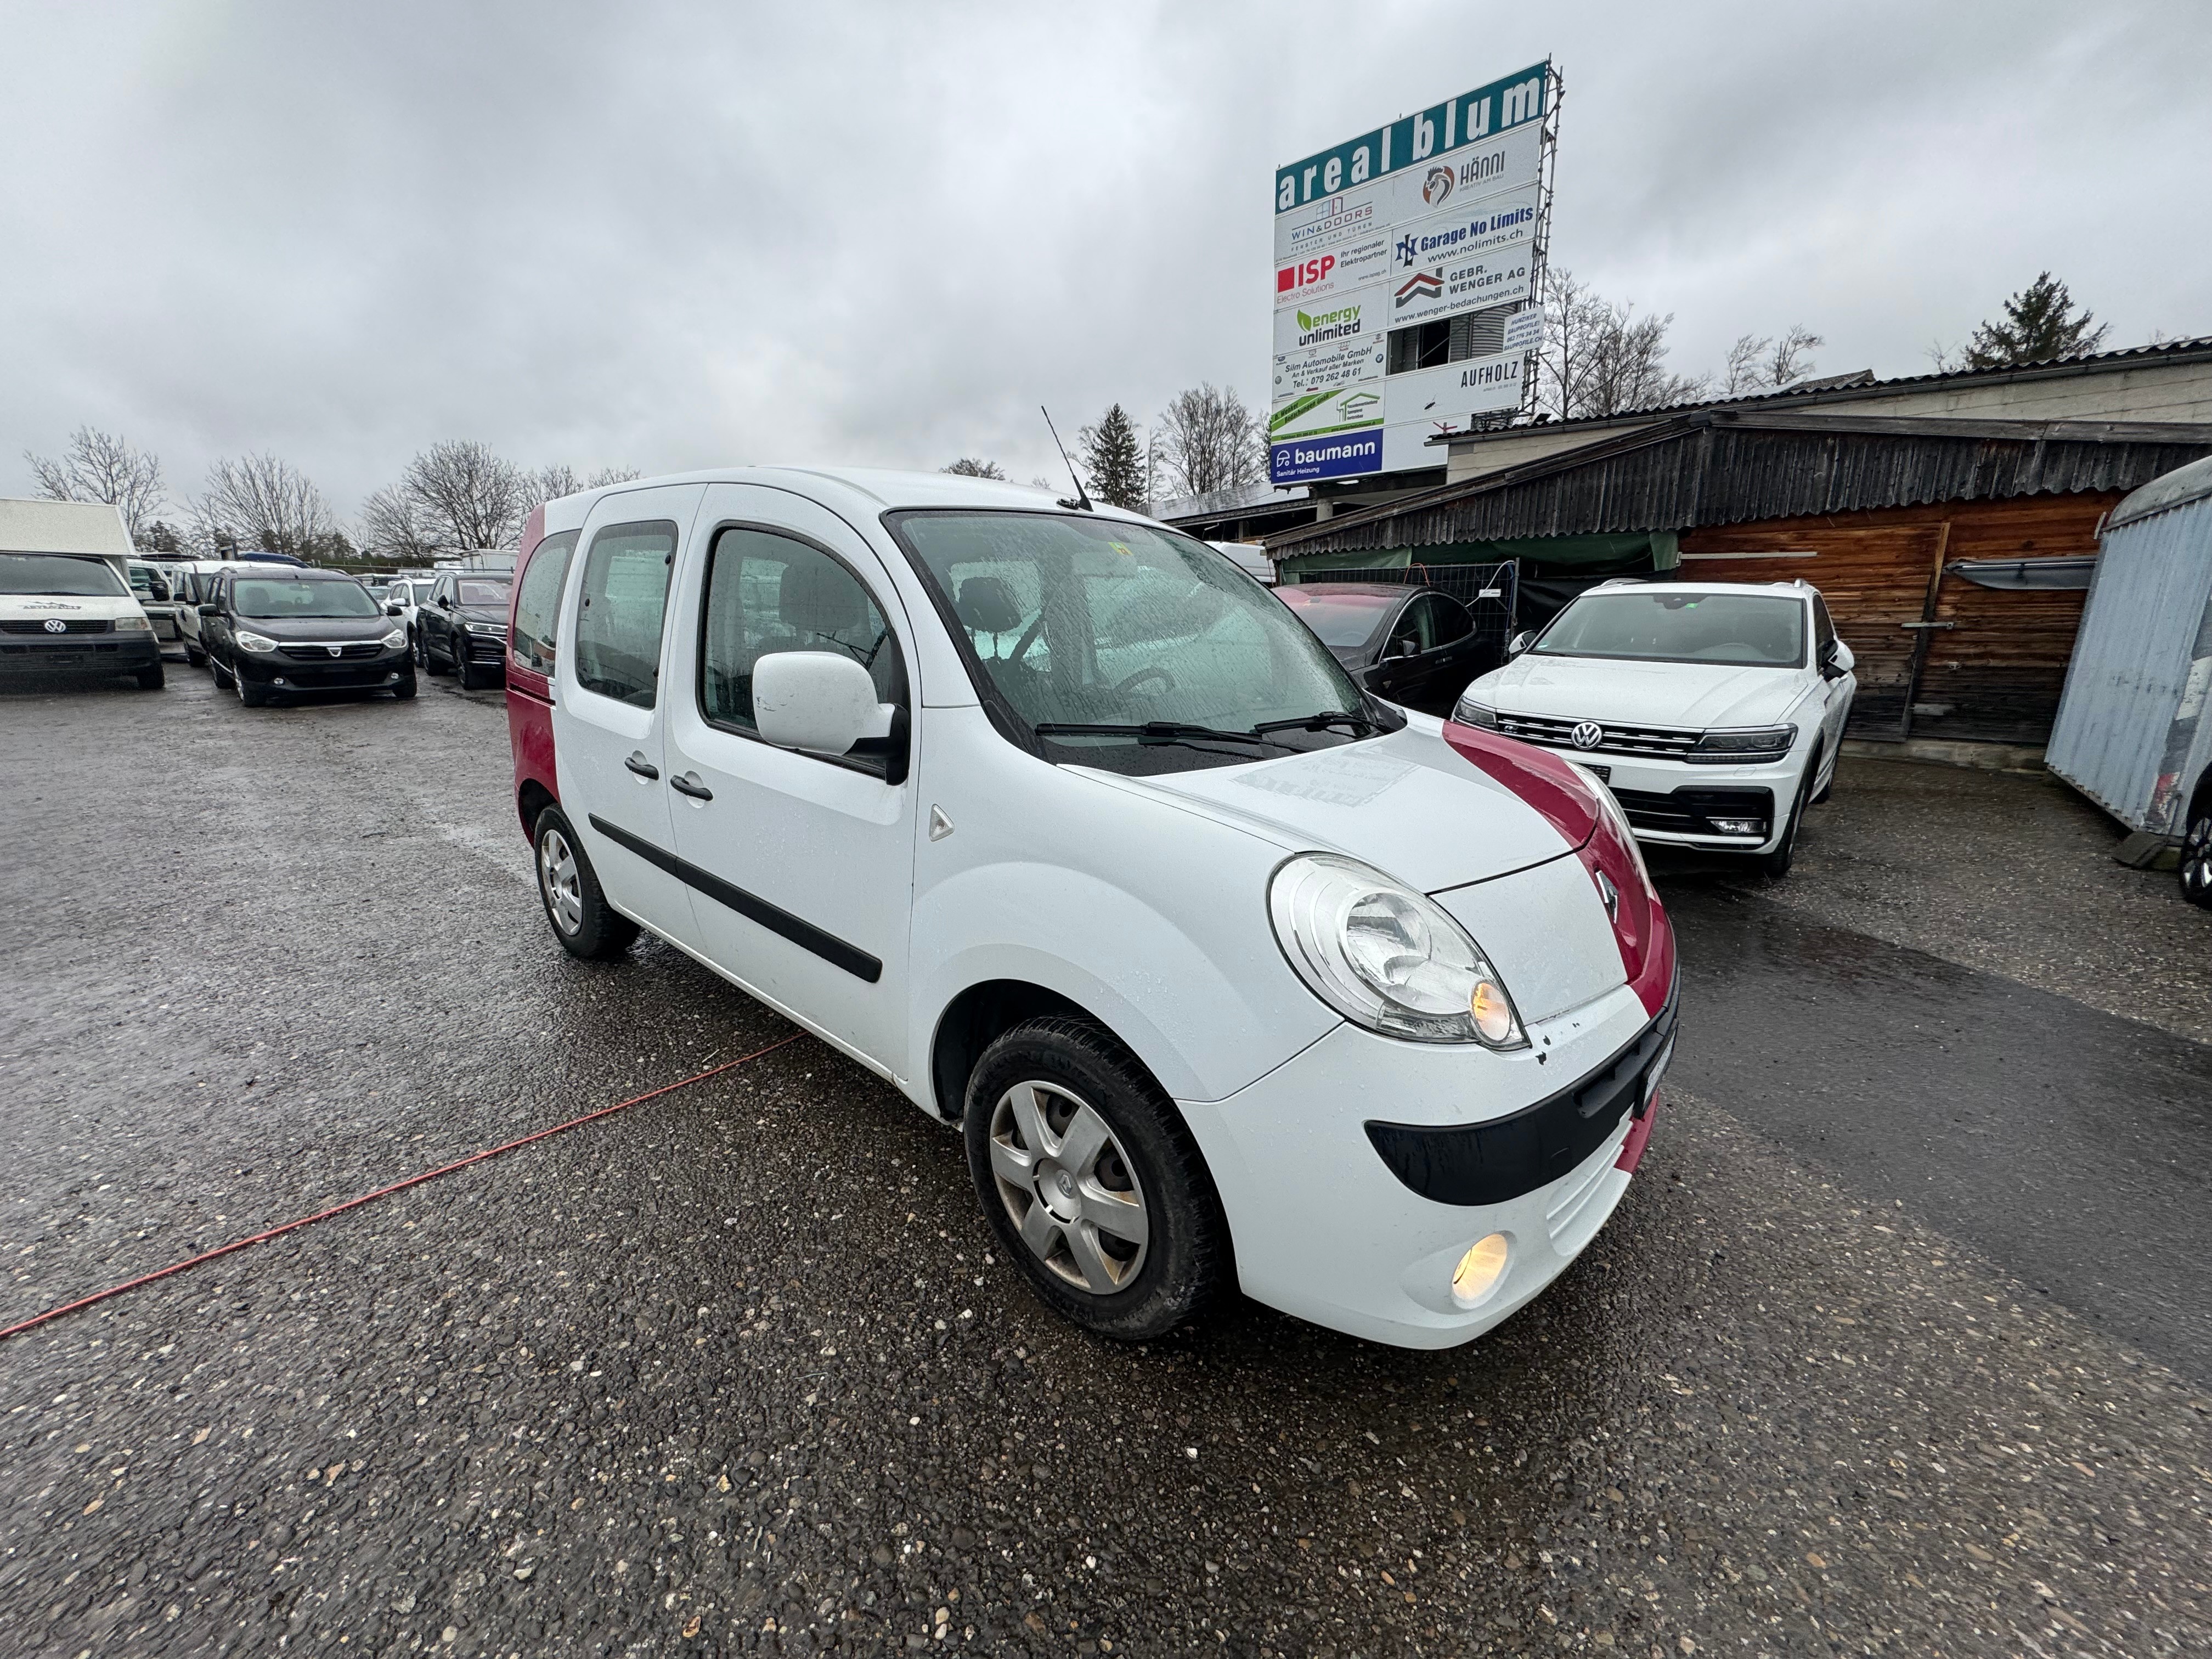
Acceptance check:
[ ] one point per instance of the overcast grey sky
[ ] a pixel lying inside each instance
(671, 235)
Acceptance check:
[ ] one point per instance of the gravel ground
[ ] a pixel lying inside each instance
(2008, 872)
(735, 1371)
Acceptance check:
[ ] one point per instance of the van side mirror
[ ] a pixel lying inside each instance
(159, 591)
(1521, 643)
(818, 702)
(207, 610)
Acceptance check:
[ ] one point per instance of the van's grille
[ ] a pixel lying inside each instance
(347, 652)
(1670, 741)
(38, 625)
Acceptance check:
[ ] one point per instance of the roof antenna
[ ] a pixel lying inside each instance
(1082, 501)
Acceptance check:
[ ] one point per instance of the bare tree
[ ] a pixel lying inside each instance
(1207, 439)
(392, 527)
(550, 484)
(1601, 359)
(265, 501)
(1757, 363)
(464, 495)
(100, 466)
(973, 467)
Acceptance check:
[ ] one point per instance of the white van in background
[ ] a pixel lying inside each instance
(65, 601)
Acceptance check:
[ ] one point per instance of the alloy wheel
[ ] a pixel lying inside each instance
(1069, 1189)
(563, 886)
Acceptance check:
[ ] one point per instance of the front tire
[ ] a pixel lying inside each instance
(461, 667)
(252, 695)
(194, 657)
(151, 679)
(1777, 862)
(581, 919)
(1091, 1181)
(2197, 858)
(405, 688)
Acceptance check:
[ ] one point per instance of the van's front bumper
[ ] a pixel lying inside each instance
(1356, 1175)
(78, 653)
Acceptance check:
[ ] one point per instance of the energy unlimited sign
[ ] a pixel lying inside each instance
(1419, 222)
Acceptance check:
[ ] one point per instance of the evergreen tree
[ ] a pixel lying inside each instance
(1113, 459)
(2038, 326)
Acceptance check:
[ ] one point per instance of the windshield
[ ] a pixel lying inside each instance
(277, 597)
(1078, 621)
(59, 573)
(1744, 631)
(485, 593)
(1342, 620)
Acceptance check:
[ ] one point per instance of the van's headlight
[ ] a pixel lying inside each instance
(396, 640)
(133, 625)
(1388, 957)
(249, 640)
(1469, 712)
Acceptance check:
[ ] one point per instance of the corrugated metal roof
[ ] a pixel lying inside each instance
(2178, 487)
(63, 527)
(1240, 501)
(1714, 467)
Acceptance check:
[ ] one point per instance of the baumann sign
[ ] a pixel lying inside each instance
(1430, 217)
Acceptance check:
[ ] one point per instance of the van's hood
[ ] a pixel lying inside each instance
(1406, 804)
(1688, 694)
(310, 630)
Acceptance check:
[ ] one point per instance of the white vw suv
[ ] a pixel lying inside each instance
(1713, 710)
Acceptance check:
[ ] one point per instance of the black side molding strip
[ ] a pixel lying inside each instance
(1470, 1163)
(800, 932)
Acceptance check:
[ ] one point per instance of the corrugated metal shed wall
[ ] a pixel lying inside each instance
(1721, 473)
(2115, 736)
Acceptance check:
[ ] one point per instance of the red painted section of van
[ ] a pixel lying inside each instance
(1639, 1137)
(1567, 797)
(528, 696)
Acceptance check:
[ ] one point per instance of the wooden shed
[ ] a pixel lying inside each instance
(1954, 554)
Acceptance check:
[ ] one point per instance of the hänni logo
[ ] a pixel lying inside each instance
(1436, 186)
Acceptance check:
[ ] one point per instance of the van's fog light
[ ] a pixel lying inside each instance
(1740, 826)
(1479, 1269)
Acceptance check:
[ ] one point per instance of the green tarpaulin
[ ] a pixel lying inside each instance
(1539, 556)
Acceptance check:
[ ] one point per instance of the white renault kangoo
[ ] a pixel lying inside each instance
(1713, 711)
(1228, 972)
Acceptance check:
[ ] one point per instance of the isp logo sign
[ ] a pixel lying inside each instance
(1306, 274)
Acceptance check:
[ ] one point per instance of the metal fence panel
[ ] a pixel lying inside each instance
(2120, 736)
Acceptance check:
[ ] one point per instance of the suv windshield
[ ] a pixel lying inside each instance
(492, 594)
(273, 597)
(1743, 630)
(1096, 623)
(59, 573)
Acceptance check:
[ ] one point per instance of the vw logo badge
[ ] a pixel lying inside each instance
(1587, 734)
(56, 625)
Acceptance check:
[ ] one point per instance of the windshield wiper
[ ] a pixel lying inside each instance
(1318, 722)
(1152, 732)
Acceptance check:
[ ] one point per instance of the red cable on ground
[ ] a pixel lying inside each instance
(37, 1320)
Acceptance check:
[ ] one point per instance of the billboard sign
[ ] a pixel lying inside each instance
(1426, 219)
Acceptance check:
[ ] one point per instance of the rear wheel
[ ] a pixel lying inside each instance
(1091, 1181)
(583, 920)
(2196, 857)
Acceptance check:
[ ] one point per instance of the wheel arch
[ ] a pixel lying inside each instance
(975, 1019)
(531, 800)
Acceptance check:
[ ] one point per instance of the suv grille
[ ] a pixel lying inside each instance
(1690, 811)
(38, 625)
(1671, 742)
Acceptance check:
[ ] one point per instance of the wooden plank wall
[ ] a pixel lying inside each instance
(1994, 677)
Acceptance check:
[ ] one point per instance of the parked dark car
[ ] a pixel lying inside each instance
(272, 631)
(1411, 645)
(462, 626)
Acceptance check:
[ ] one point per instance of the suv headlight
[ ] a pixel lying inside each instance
(1388, 957)
(396, 640)
(1744, 743)
(249, 640)
(1469, 712)
(485, 628)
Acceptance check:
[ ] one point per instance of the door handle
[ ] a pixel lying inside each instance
(687, 783)
(644, 768)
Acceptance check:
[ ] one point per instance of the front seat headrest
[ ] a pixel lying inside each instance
(986, 604)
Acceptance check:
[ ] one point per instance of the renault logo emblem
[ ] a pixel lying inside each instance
(1587, 734)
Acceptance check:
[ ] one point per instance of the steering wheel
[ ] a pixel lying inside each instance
(1155, 673)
